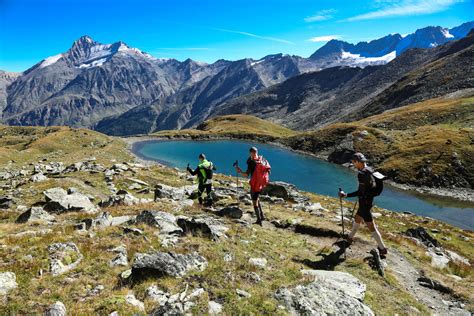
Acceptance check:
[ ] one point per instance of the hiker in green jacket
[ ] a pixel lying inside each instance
(204, 172)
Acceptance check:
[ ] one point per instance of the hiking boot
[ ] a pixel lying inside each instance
(258, 222)
(382, 253)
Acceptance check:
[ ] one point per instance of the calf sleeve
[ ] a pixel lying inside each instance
(378, 238)
(355, 227)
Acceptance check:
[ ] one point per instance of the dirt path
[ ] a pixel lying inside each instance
(396, 263)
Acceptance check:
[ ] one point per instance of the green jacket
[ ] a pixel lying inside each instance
(200, 171)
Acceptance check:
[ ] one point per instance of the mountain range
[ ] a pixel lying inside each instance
(121, 90)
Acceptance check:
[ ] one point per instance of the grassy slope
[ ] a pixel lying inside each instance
(401, 141)
(279, 247)
(234, 125)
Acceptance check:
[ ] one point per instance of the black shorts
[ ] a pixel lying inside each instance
(364, 210)
(254, 195)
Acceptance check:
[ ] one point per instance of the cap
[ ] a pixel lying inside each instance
(359, 157)
(253, 149)
(202, 156)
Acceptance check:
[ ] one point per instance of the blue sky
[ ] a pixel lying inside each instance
(207, 30)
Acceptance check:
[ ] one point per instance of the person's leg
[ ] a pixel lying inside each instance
(255, 203)
(355, 226)
(208, 192)
(200, 191)
(376, 235)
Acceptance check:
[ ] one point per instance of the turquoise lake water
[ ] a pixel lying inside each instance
(307, 173)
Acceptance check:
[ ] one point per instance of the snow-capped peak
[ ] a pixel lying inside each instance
(446, 33)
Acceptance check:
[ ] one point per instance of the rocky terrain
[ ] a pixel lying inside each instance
(86, 229)
(121, 90)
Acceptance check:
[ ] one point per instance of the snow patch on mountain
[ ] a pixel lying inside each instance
(50, 60)
(357, 59)
(446, 33)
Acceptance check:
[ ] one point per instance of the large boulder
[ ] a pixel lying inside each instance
(332, 293)
(166, 264)
(35, 214)
(122, 197)
(284, 190)
(165, 222)
(203, 225)
(63, 257)
(7, 282)
(163, 191)
(59, 200)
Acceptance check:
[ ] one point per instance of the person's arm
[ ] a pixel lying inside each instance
(193, 173)
(364, 184)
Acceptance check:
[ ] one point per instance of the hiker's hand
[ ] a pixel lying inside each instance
(237, 168)
(342, 194)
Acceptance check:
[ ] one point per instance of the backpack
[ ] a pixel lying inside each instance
(261, 175)
(209, 170)
(377, 183)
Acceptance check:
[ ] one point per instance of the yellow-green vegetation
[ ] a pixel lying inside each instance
(435, 135)
(285, 250)
(233, 125)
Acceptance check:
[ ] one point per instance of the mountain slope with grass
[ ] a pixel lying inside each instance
(80, 231)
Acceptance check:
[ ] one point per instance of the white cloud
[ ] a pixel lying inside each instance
(274, 39)
(324, 38)
(322, 15)
(405, 8)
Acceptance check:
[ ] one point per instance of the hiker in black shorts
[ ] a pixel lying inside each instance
(251, 165)
(366, 199)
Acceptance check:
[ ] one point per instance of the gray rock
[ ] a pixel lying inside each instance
(7, 282)
(243, 293)
(58, 201)
(166, 222)
(283, 190)
(6, 201)
(172, 264)
(157, 295)
(214, 308)
(122, 197)
(132, 300)
(120, 257)
(231, 212)
(57, 309)
(38, 177)
(163, 191)
(35, 214)
(258, 262)
(203, 225)
(327, 295)
(63, 257)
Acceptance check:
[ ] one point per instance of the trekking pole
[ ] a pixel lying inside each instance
(236, 164)
(342, 222)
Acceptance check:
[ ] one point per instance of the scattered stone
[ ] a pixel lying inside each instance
(421, 234)
(7, 282)
(166, 222)
(332, 293)
(58, 201)
(120, 258)
(132, 230)
(132, 300)
(433, 284)
(38, 177)
(138, 181)
(63, 257)
(207, 226)
(95, 291)
(228, 257)
(161, 264)
(231, 212)
(35, 214)
(286, 191)
(6, 201)
(243, 293)
(254, 277)
(157, 295)
(214, 308)
(167, 192)
(258, 262)
(121, 197)
(57, 309)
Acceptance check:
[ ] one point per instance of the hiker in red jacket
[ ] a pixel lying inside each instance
(258, 169)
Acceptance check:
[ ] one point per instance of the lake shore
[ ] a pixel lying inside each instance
(459, 194)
